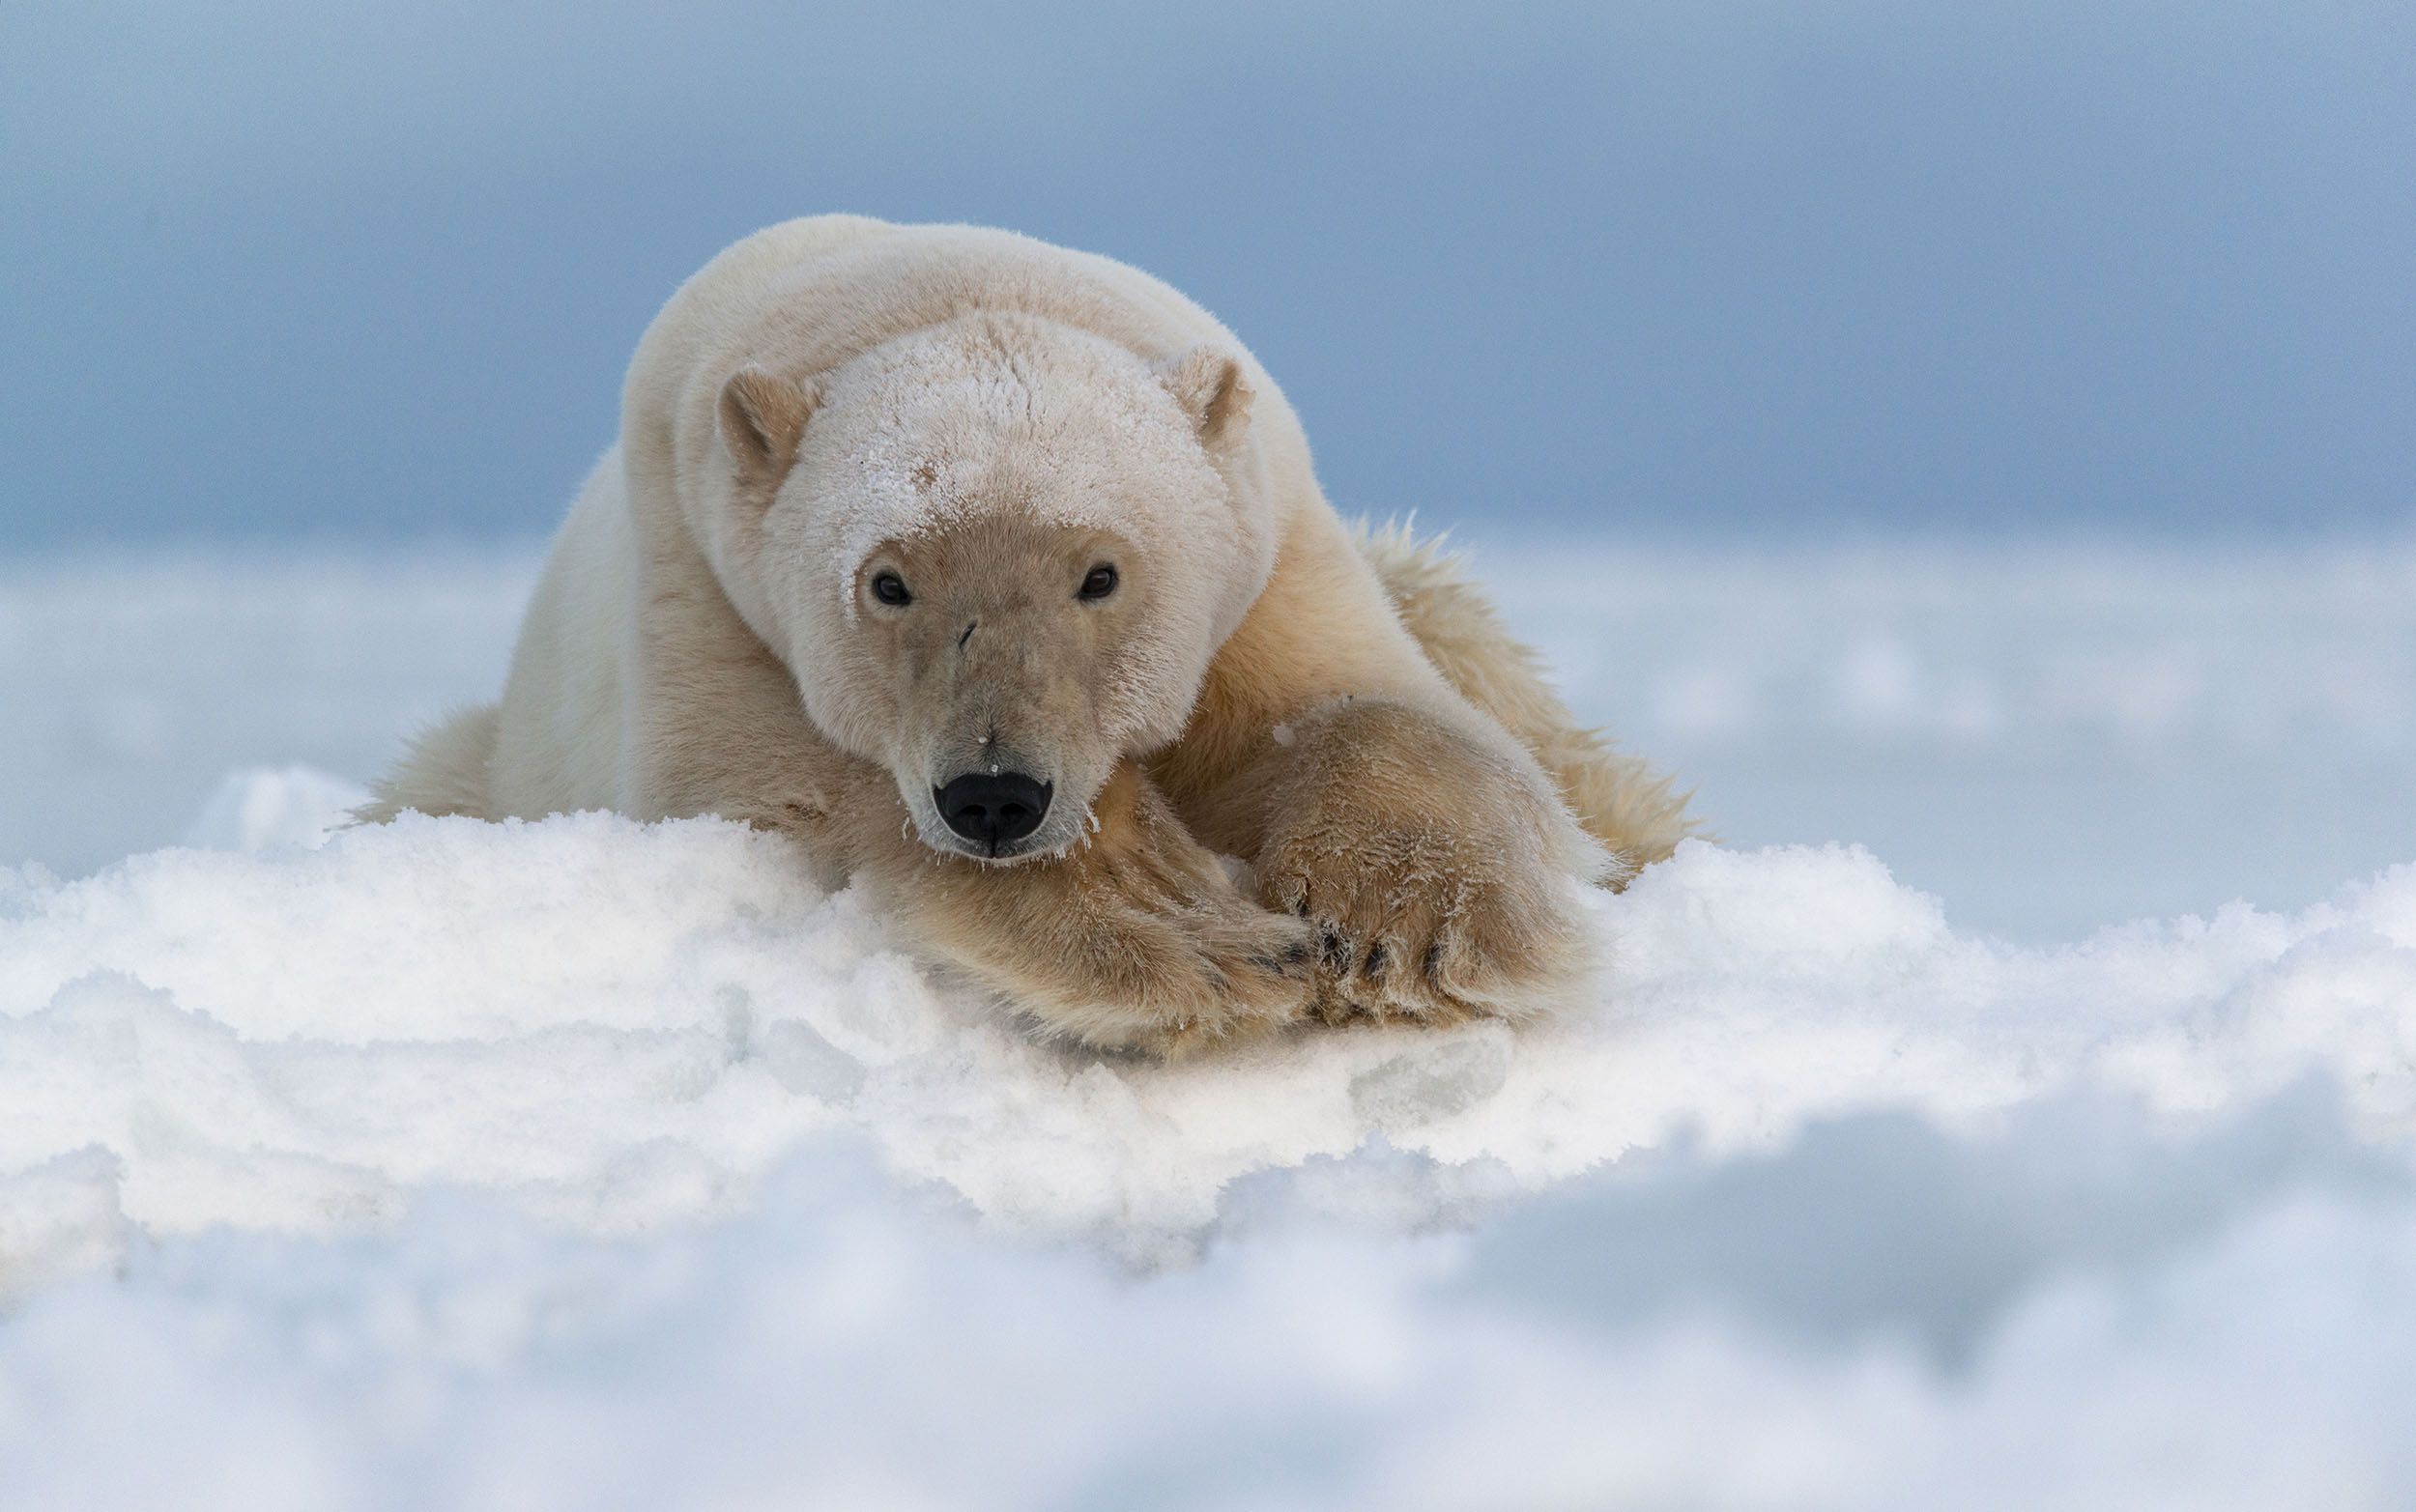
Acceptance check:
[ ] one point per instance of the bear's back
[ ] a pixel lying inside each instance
(806, 296)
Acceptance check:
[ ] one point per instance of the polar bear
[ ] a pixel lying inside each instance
(996, 574)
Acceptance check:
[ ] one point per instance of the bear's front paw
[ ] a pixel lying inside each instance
(1434, 874)
(1136, 939)
(1173, 971)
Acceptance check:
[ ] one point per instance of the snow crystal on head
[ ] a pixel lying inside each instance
(992, 413)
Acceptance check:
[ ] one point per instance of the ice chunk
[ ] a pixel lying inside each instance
(802, 1061)
(264, 807)
(1433, 1080)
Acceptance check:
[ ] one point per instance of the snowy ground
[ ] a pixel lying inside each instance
(585, 1164)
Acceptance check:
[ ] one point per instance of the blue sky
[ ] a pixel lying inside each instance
(346, 270)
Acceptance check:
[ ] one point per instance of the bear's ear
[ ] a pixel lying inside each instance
(1207, 381)
(763, 417)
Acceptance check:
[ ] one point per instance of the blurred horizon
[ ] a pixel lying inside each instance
(362, 273)
(2048, 740)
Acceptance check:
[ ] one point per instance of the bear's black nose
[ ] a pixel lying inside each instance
(996, 809)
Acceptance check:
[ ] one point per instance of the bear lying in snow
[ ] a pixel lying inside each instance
(997, 575)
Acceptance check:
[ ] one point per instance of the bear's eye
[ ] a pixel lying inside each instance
(891, 589)
(1100, 581)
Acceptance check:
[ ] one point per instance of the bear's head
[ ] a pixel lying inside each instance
(998, 555)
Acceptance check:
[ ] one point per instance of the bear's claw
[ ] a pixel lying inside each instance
(1454, 914)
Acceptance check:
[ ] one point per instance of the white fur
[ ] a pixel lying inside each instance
(834, 400)
(659, 573)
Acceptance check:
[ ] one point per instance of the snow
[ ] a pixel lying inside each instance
(594, 1164)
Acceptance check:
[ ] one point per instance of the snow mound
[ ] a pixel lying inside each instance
(593, 1163)
(613, 1026)
(1860, 1321)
